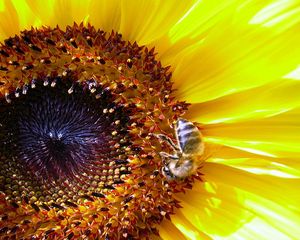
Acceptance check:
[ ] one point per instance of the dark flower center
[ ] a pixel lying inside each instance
(60, 134)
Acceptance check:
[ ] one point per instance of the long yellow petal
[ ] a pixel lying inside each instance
(105, 15)
(62, 13)
(187, 228)
(149, 20)
(232, 54)
(255, 163)
(271, 99)
(276, 136)
(249, 204)
(168, 231)
(9, 24)
(208, 210)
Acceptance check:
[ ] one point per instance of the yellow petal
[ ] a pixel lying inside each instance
(187, 228)
(232, 55)
(207, 209)
(168, 231)
(105, 15)
(269, 187)
(265, 101)
(276, 136)
(201, 16)
(9, 24)
(147, 21)
(233, 201)
(44, 10)
(20, 15)
(281, 167)
(69, 11)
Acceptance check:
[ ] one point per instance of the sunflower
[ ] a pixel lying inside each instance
(87, 86)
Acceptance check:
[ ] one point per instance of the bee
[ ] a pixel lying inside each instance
(188, 151)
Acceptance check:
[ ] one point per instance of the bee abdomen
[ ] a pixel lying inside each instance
(189, 136)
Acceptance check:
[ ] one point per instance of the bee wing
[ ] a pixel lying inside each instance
(188, 136)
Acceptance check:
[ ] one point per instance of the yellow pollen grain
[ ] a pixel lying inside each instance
(82, 208)
(114, 133)
(103, 178)
(110, 164)
(163, 213)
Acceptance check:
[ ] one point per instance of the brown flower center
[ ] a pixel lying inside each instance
(78, 158)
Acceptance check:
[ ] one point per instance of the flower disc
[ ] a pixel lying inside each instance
(79, 110)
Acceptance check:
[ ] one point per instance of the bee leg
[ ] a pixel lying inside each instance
(165, 155)
(169, 141)
(167, 158)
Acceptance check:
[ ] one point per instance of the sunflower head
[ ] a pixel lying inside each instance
(79, 112)
(90, 142)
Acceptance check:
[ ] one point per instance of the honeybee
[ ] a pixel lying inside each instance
(188, 151)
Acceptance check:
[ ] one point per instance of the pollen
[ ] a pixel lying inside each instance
(79, 109)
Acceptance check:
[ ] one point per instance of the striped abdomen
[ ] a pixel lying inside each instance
(188, 137)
